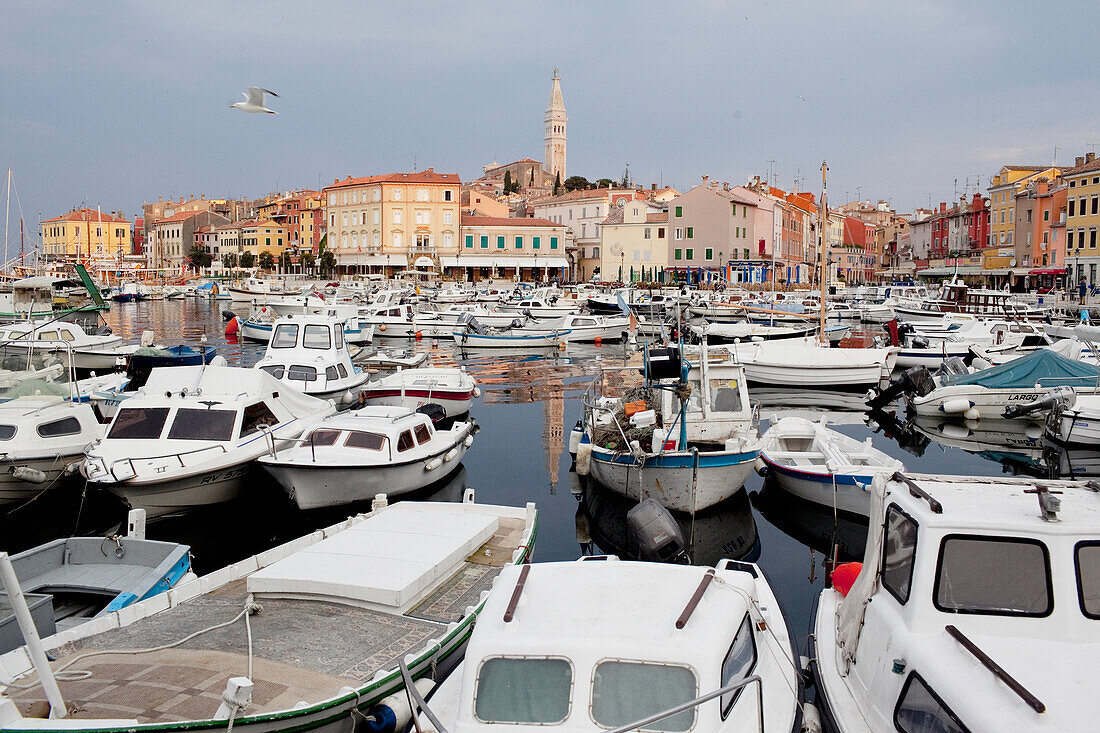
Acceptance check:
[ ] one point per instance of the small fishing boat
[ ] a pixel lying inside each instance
(188, 436)
(690, 444)
(322, 626)
(309, 353)
(152, 357)
(453, 389)
(590, 645)
(393, 359)
(61, 338)
(719, 333)
(42, 439)
(129, 293)
(822, 465)
(468, 333)
(360, 453)
(972, 610)
(1075, 420)
(806, 362)
(584, 328)
(70, 581)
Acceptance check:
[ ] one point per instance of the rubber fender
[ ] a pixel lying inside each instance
(28, 474)
(232, 325)
(956, 406)
(584, 459)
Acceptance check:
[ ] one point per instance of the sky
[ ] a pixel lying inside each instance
(115, 103)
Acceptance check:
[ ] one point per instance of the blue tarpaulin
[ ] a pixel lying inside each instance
(1043, 367)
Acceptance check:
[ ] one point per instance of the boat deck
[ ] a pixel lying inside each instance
(302, 649)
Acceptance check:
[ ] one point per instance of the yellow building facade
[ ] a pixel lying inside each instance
(393, 220)
(634, 238)
(1003, 188)
(262, 236)
(85, 234)
(1083, 219)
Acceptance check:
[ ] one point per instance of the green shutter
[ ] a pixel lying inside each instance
(500, 242)
(519, 242)
(553, 242)
(484, 241)
(691, 232)
(691, 254)
(469, 241)
(679, 211)
(536, 242)
(710, 253)
(676, 254)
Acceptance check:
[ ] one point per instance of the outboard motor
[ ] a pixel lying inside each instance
(658, 535)
(913, 381)
(434, 411)
(953, 365)
(228, 315)
(918, 342)
(1060, 397)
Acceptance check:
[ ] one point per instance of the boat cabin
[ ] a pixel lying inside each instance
(718, 402)
(976, 608)
(372, 434)
(310, 353)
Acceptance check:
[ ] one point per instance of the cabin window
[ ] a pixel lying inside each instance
(331, 374)
(423, 434)
(285, 336)
(136, 423)
(527, 690)
(1088, 573)
(67, 336)
(7, 432)
(57, 428)
(920, 710)
(202, 424)
(323, 437)
(339, 336)
(897, 553)
(367, 441)
(405, 442)
(275, 370)
(739, 661)
(725, 396)
(343, 372)
(302, 373)
(257, 416)
(46, 336)
(623, 692)
(1002, 576)
(317, 337)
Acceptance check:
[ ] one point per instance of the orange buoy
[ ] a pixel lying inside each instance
(232, 326)
(599, 341)
(418, 335)
(844, 576)
(382, 327)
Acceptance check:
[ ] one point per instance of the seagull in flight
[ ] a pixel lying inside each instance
(254, 101)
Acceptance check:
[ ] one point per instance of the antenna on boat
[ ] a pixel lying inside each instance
(823, 262)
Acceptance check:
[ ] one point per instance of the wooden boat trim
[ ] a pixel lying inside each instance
(1033, 702)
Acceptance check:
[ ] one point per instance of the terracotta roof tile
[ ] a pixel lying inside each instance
(417, 177)
(88, 215)
(505, 221)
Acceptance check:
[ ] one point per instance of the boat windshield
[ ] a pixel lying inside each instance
(285, 336)
(7, 432)
(623, 692)
(367, 441)
(1088, 577)
(530, 690)
(202, 424)
(317, 337)
(993, 575)
(137, 423)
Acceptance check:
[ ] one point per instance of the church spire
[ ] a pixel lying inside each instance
(555, 121)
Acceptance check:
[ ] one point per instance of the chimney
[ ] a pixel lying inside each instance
(725, 185)
(1079, 160)
(653, 187)
(706, 180)
(431, 169)
(202, 196)
(1089, 157)
(181, 199)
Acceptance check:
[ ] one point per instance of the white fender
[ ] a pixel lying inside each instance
(584, 459)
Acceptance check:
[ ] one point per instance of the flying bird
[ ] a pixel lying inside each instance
(254, 101)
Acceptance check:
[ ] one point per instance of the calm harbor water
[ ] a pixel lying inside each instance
(528, 404)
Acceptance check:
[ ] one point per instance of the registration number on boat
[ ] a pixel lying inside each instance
(224, 475)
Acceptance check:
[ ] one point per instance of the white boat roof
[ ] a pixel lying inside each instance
(388, 562)
(226, 383)
(375, 418)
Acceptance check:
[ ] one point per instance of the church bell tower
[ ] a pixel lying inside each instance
(553, 159)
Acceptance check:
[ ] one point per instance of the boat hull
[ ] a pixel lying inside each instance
(179, 495)
(809, 375)
(13, 489)
(847, 492)
(986, 402)
(678, 480)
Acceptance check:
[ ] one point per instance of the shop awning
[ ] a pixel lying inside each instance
(499, 262)
(1047, 271)
(373, 260)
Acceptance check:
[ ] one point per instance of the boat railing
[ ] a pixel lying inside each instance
(177, 455)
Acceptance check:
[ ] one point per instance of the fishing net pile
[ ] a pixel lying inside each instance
(611, 434)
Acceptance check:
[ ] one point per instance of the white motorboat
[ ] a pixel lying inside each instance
(805, 362)
(254, 289)
(321, 626)
(310, 354)
(992, 392)
(539, 307)
(70, 581)
(691, 443)
(42, 438)
(584, 328)
(451, 388)
(469, 333)
(1076, 421)
(958, 297)
(360, 453)
(484, 316)
(399, 320)
(60, 338)
(972, 610)
(188, 436)
(822, 465)
(590, 645)
(393, 359)
(745, 330)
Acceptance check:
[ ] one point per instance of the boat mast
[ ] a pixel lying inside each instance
(7, 207)
(823, 267)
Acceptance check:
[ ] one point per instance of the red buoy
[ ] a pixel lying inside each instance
(598, 341)
(232, 325)
(844, 576)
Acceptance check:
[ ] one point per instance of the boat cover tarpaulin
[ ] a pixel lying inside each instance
(1043, 367)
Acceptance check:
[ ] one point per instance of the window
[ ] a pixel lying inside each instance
(690, 254)
(1095, 204)
(536, 242)
(660, 232)
(423, 433)
(259, 415)
(138, 423)
(339, 329)
(500, 242)
(397, 216)
(725, 396)
(317, 336)
(484, 242)
(739, 661)
(1046, 214)
(1002, 576)
(448, 217)
(691, 232)
(447, 195)
(397, 194)
(897, 553)
(7, 432)
(405, 442)
(422, 217)
(675, 254)
(57, 428)
(679, 211)
(469, 241)
(1087, 561)
(679, 232)
(1071, 203)
(322, 437)
(519, 242)
(920, 710)
(343, 371)
(366, 441)
(448, 239)
(527, 690)
(421, 194)
(623, 692)
(396, 239)
(709, 253)
(285, 336)
(201, 424)
(302, 373)
(646, 233)
(331, 373)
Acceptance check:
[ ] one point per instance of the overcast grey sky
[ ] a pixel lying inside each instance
(114, 103)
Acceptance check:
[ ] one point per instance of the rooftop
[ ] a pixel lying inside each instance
(506, 221)
(88, 215)
(425, 176)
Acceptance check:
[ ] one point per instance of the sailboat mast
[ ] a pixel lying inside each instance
(7, 207)
(823, 271)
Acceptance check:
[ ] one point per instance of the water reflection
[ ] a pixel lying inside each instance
(816, 526)
(1016, 444)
